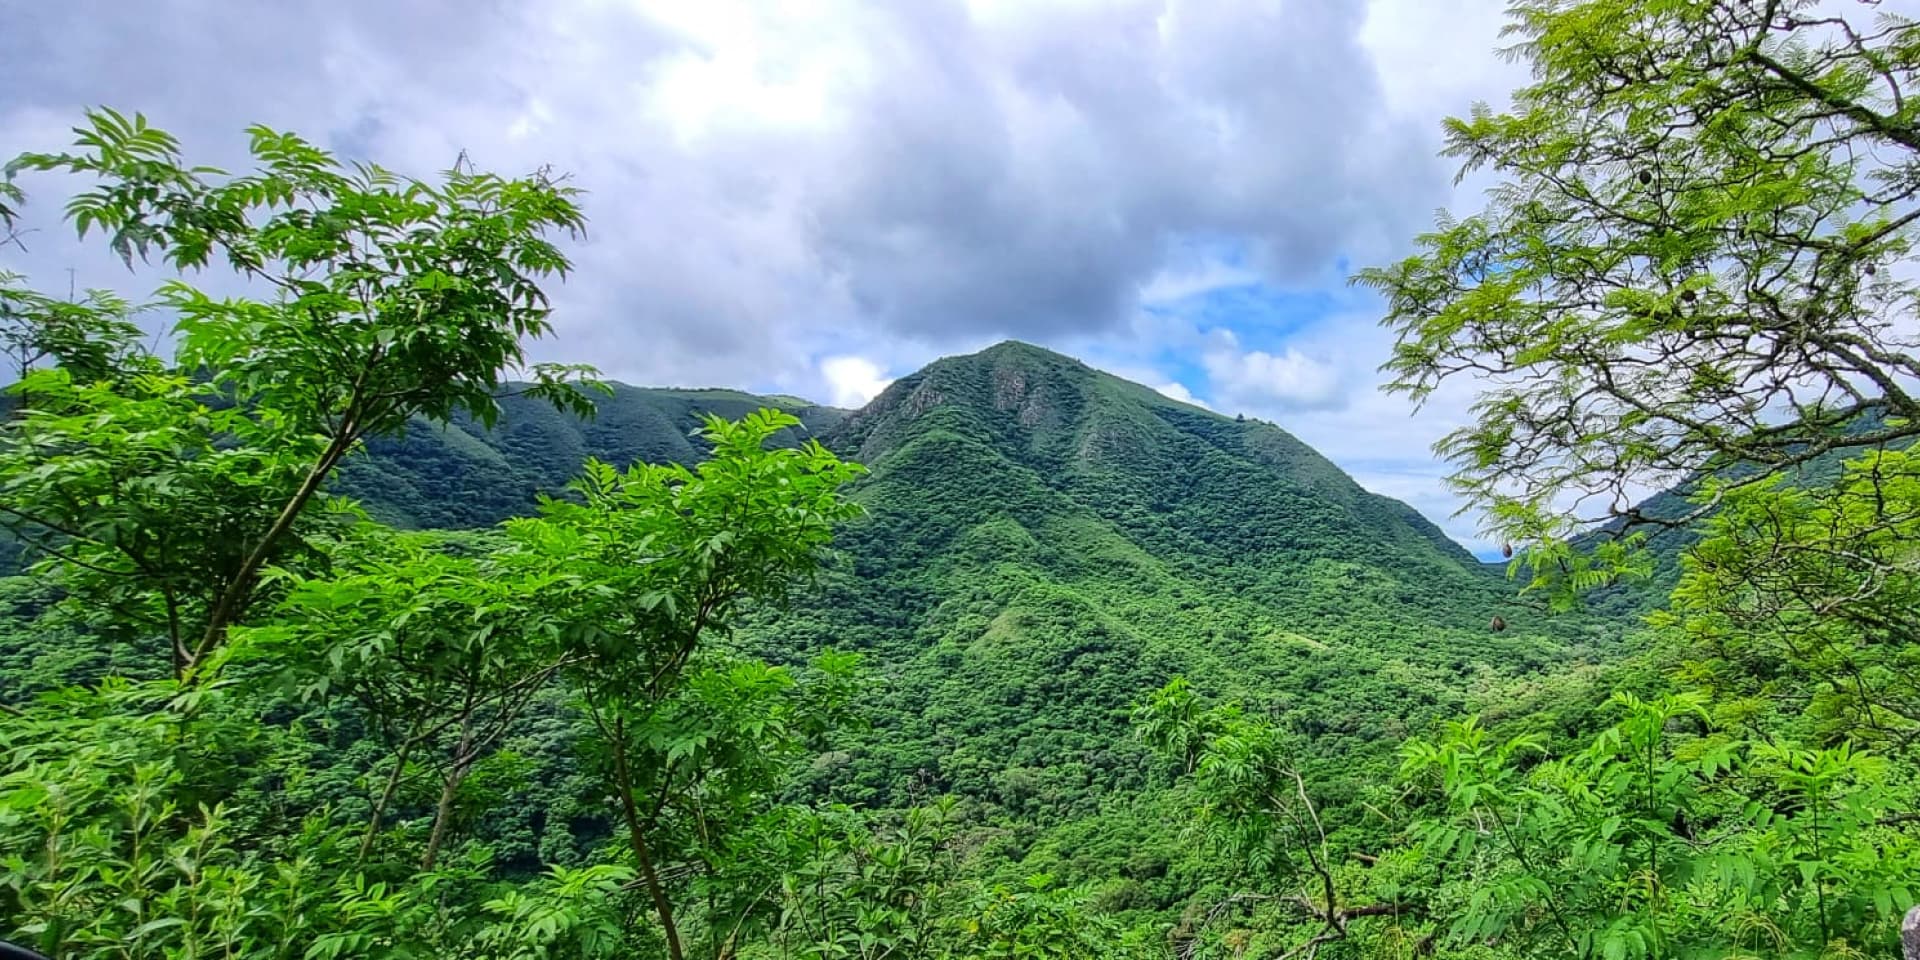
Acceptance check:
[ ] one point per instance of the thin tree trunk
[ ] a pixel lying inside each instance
(176, 646)
(386, 797)
(231, 599)
(462, 759)
(637, 834)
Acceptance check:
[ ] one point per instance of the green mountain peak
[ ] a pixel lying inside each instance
(1058, 541)
(1054, 541)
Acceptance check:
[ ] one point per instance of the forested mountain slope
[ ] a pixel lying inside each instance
(1044, 544)
(465, 475)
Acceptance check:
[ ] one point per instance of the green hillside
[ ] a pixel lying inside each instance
(334, 626)
(465, 475)
(1044, 544)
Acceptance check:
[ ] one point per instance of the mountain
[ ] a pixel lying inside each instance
(1044, 544)
(1667, 540)
(465, 475)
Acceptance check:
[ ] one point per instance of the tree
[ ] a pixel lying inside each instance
(1255, 810)
(1692, 260)
(202, 810)
(622, 594)
(439, 647)
(661, 559)
(1658, 840)
(1693, 270)
(1797, 606)
(141, 815)
(861, 890)
(394, 298)
(103, 861)
(92, 339)
(143, 498)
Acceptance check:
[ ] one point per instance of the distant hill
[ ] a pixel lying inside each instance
(1667, 544)
(464, 475)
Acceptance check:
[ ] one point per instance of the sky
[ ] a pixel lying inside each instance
(815, 197)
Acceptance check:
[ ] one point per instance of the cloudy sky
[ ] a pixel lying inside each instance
(816, 196)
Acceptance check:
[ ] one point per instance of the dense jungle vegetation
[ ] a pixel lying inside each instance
(338, 629)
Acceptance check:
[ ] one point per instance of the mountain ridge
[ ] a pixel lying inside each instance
(1033, 384)
(1059, 541)
(463, 474)
(1046, 542)
(657, 423)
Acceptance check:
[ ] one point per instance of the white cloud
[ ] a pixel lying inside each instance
(853, 380)
(1435, 57)
(1178, 283)
(753, 67)
(773, 183)
(1288, 380)
(1176, 391)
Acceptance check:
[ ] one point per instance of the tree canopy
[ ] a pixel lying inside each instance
(1162, 660)
(1692, 258)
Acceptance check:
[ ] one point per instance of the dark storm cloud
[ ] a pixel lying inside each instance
(1017, 172)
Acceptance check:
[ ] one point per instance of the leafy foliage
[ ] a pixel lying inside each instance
(1797, 604)
(1655, 841)
(633, 716)
(1255, 812)
(157, 817)
(396, 298)
(1688, 261)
